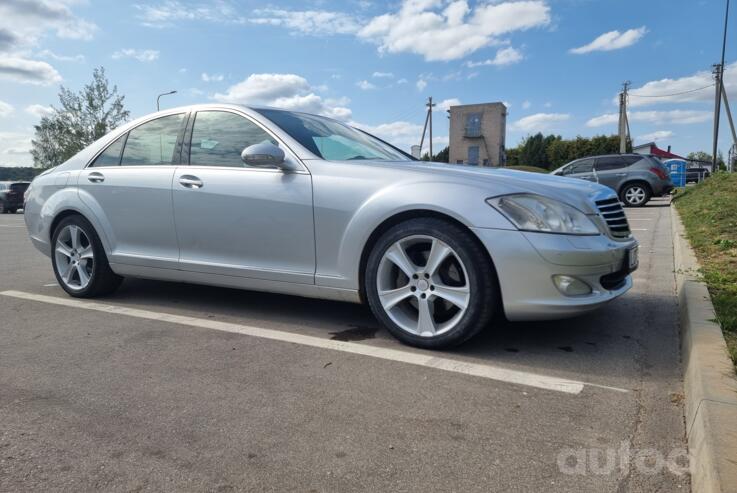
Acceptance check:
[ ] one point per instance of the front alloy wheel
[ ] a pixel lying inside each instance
(431, 283)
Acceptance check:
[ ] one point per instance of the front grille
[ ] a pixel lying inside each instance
(613, 213)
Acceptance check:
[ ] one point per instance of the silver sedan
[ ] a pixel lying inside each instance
(273, 200)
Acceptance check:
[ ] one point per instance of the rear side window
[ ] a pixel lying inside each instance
(219, 137)
(154, 142)
(615, 162)
(111, 155)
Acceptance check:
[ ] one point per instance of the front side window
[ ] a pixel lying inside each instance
(332, 140)
(154, 142)
(219, 137)
(111, 155)
(582, 166)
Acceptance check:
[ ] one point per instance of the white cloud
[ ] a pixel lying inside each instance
(61, 58)
(683, 117)
(613, 40)
(445, 104)
(402, 81)
(212, 77)
(140, 55)
(365, 85)
(684, 89)
(539, 122)
(5, 109)
(28, 71)
(15, 149)
(655, 136)
(316, 22)
(420, 26)
(39, 110)
(288, 91)
(403, 134)
(526, 105)
(504, 56)
(383, 75)
(421, 84)
(23, 22)
(169, 12)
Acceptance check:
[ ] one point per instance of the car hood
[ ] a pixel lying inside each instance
(499, 181)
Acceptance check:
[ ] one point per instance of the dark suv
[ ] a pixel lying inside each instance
(635, 177)
(11, 195)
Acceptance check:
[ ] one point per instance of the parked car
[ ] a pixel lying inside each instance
(288, 202)
(695, 175)
(11, 196)
(635, 177)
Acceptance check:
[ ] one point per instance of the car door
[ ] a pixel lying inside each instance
(238, 220)
(128, 188)
(612, 170)
(583, 169)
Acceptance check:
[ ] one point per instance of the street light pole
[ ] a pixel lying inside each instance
(159, 97)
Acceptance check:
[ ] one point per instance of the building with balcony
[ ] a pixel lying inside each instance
(477, 134)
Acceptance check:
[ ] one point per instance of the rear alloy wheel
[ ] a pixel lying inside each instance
(430, 283)
(635, 195)
(79, 261)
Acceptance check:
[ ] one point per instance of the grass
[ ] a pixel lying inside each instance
(709, 213)
(531, 169)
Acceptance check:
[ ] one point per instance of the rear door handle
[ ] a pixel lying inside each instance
(96, 177)
(190, 181)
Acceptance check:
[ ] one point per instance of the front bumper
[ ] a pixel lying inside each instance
(526, 263)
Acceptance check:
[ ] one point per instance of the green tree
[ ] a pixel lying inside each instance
(81, 119)
(440, 157)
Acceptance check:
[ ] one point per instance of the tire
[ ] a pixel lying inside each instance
(466, 275)
(91, 261)
(635, 194)
(12, 211)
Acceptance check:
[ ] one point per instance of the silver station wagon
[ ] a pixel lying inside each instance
(272, 200)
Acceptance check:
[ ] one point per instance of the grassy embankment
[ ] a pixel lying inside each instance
(709, 213)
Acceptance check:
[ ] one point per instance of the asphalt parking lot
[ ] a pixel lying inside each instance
(173, 387)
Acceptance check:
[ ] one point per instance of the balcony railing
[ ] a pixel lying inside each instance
(472, 132)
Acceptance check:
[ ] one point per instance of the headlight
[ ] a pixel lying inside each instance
(532, 212)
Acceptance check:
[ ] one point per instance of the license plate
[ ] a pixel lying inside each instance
(633, 256)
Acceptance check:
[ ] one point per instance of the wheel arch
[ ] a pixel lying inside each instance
(407, 215)
(639, 181)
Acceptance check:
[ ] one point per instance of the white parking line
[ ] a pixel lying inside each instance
(638, 229)
(430, 360)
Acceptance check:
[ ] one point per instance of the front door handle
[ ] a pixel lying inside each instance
(190, 181)
(96, 177)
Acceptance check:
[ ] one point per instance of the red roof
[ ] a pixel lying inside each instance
(657, 151)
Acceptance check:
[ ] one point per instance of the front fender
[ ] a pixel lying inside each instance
(464, 203)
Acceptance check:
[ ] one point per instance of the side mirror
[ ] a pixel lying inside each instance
(264, 154)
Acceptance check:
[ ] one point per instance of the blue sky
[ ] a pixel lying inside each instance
(557, 64)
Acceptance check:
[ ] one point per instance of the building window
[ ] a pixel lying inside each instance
(473, 155)
(473, 125)
(486, 162)
(459, 161)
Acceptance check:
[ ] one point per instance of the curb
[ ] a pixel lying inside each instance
(709, 382)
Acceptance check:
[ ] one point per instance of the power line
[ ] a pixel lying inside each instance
(669, 95)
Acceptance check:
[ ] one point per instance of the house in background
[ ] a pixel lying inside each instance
(477, 134)
(651, 148)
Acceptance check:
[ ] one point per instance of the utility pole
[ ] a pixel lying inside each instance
(430, 106)
(719, 73)
(623, 123)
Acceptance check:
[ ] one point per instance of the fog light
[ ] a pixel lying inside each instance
(570, 286)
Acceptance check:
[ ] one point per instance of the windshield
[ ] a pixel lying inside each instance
(332, 140)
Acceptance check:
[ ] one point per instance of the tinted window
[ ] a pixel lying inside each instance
(582, 166)
(611, 162)
(19, 187)
(219, 137)
(153, 143)
(111, 155)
